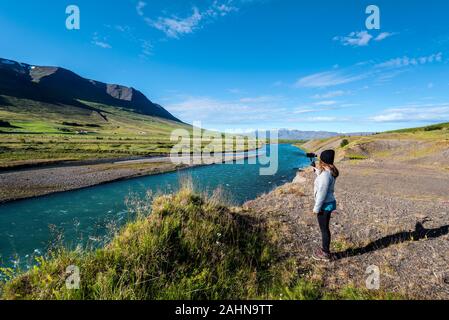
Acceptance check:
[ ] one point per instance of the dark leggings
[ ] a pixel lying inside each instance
(324, 219)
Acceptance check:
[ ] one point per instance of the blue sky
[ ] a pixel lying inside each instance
(247, 64)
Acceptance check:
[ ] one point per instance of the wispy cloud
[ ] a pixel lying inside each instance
(331, 94)
(384, 35)
(323, 119)
(424, 113)
(380, 72)
(261, 99)
(407, 61)
(318, 119)
(139, 8)
(146, 48)
(219, 111)
(387, 76)
(235, 91)
(328, 79)
(355, 39)
(362, 38)
(174, 26)
(303, 110)
(100, 42)
(326, 103)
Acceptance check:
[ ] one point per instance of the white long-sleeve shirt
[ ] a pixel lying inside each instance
(324, 189)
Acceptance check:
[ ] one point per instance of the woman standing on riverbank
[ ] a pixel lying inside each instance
(325, 202)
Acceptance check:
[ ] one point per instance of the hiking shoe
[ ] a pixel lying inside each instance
(320, 255)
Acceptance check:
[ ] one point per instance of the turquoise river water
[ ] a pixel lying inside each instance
(83, 217)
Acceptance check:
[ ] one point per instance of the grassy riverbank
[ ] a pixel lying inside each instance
(190, 247)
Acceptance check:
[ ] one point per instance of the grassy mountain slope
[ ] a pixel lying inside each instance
(61, 86)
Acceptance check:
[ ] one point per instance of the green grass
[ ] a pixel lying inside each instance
(356, 157)
(353, 293)
(45, 132)
(189, 247)
(435, 127)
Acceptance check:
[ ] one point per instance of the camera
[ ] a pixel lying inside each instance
(312, 157)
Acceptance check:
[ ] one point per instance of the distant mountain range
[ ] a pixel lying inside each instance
(61, 86)
(287, 134)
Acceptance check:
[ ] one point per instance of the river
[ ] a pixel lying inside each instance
(83, 217)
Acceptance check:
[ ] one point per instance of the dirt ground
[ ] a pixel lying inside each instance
(390, 215)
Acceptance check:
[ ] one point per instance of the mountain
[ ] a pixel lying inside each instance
(286, 134)
(61, 86)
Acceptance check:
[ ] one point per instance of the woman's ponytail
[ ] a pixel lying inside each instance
(332, 168)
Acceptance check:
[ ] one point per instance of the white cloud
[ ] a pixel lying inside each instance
(329, 95)
(174, 26)
(121, 28)
(384, 77)
(384, 35)
(218, 111)
(326, 103)
(139, 8)
(220, 9)
(260, 99)
(323, 119)
(355, 39)
(96, 40)
(381, 72)
(327, 79)
(428, 113)
(304, 110)
(362, 38)
(235, 91)
(146, 48)
(102, 44)
(407, 61)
